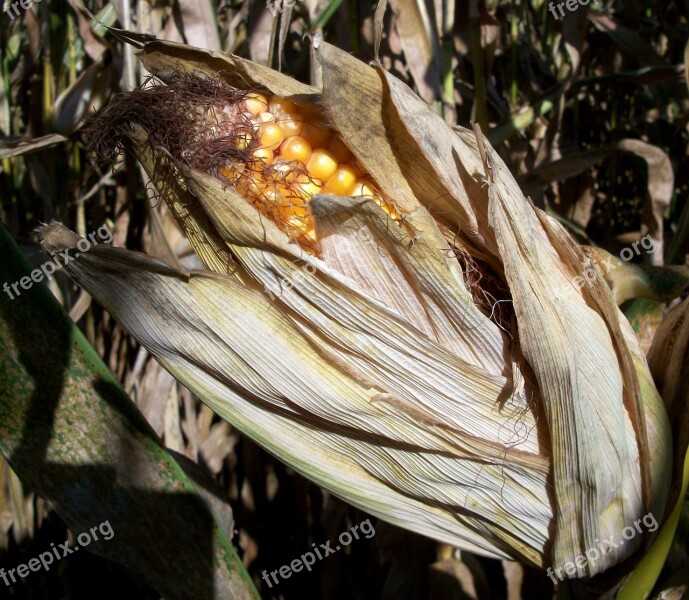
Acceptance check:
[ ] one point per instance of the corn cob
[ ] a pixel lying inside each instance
(295, 155)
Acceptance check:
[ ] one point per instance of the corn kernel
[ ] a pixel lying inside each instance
(342, 180)
(265, 117)
(264, 154)
(271, 135)
(317, 134)
(295, 206)
(339, 150)
(310, 236)
(389, 209)
(284, 172)
(322, 164)
(273, 196)
(362, 187)
(232, 172)
(306, 186)
(243, 140)
(251, 187)
(298, 223)
(291, 124)
(255, 103)
(280, 105)
(296, 148)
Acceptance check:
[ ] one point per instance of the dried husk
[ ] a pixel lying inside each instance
(384, 381)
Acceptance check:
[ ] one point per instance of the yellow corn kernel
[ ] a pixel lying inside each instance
(280, 105)
(389, 209)
(341, 153)
(342, 180)
(273, 196)
(362, 187)
(265, 117)
(316, 133)
(232, 172)
(296, 148)
(250, 187)
(255, 103)
(295, 206)
(310, 235)
(283, 172)
(298, 224)
(264, 154)
(271, 135)
(291, 124)
(306, 186)
(244, 140)
(322, 164)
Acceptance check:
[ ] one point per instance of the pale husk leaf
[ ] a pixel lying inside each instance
(641, 398)
(406, 269)
(366, 446)
(595, 453)
(168, 60)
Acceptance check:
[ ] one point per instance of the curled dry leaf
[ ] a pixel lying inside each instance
(629, 41)
(628, 280)
(660, 181)
(89, 92)
(383, 309)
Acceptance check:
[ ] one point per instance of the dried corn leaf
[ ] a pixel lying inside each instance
(74, 436)
(199, 24)
(169, 60)
(421, 50)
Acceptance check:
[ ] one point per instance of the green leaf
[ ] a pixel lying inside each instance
(72, 435)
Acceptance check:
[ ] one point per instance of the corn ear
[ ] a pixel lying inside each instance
(530, 434)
